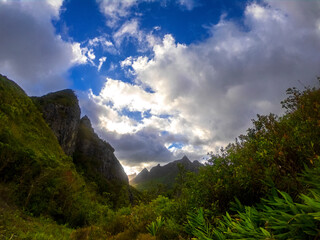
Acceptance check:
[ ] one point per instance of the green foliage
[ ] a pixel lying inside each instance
(278, 217)
(14, 224)
(198, 226)
(128, 223)
(155, 226)
(64, 97)
(43, 178)
(270, 155)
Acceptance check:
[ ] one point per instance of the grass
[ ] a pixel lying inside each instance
(16, 224)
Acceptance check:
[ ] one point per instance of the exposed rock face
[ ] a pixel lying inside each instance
(77, 138)
(96, 155)
(61, 111)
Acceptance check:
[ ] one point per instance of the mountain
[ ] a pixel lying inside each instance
(62, 113)
(165, 175)
(93, 157)
(38, 175)
(77, 137)
(51, 162)
(96, 155)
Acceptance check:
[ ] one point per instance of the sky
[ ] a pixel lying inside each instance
(160, 79)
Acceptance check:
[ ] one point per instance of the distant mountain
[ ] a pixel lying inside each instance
(165, 175)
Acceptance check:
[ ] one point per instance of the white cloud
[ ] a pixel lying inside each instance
(91, 54)
(55, 5)
(30, 51)
(104, 42)
(210, 90)
(127, 62)
(79, 54)
(128, 29)
(108, 43)
(101, 61)
(115, 9)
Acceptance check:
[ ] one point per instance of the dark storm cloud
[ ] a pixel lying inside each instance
(144, 146)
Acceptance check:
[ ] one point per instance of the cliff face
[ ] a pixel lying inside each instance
(97, 155)
(92, 156)
(61, 111)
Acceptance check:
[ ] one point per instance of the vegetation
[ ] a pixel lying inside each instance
(42, 178)
(265, 185)
(64, 97)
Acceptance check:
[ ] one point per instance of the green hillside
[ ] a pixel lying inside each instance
(42, 179)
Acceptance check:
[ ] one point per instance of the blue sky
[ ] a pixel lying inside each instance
(188, 21)
(160, 79)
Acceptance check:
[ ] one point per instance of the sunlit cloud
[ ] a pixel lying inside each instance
(193, 99)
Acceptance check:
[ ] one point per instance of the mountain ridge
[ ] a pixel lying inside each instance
(164, 174)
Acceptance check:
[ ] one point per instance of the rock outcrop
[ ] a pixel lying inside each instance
(97, 155)
(61, 111)
(93, 156)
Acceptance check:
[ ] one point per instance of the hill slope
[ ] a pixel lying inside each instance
(42, 178)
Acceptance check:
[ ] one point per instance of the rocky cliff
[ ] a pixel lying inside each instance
(61, 111)
(97, 155)
(92, 156)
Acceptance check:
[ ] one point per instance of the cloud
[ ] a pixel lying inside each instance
(188, 4)
(79, 54)
(101, 61)
(30, 52)
(201, 96)
(91, 54)
(117, 10)
(104, 42)
(128, 29)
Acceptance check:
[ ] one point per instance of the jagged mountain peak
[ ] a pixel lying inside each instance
(86, 122)
(77, 137)
(66, 97)
(165, 174)
(185, 158)
(144, 170)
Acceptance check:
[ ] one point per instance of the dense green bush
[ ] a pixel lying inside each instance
(271, 154)
(278, 217)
